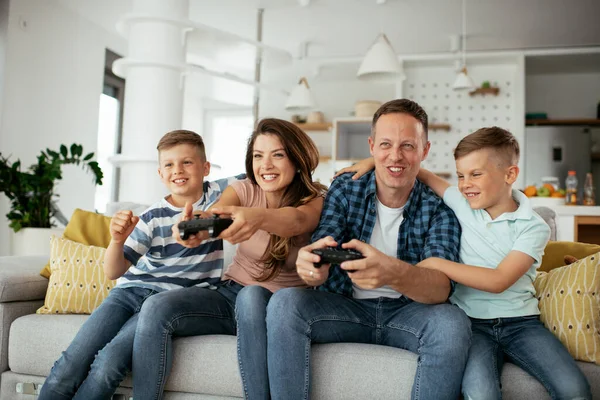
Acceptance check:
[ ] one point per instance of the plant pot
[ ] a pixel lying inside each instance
(33, 241)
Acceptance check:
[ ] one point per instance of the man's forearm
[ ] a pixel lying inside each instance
(422, 285)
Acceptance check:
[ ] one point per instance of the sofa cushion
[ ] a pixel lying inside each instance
(208, 364)
(77, 284)
(85, 227)
(568, 300)
(555, 252)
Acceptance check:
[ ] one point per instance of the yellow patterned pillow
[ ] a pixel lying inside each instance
(569, 306)
(77, 284)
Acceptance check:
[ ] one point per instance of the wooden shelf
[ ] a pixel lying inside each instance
(571, 121)
(315, 127)
(484, 91)
(324, 158)
(441, 127)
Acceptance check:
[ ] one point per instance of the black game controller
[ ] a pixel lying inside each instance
(214, 226)
(336, 256)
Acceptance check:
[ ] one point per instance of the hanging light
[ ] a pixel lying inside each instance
(381, 63)
(300, 98)
(463, 81)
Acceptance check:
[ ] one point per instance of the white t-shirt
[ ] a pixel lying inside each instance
(385, 239)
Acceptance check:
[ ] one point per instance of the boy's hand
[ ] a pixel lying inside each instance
(361, 168)
(246, 221)
(122, 224)
(371, 272)
(193, 240)
(305, 262)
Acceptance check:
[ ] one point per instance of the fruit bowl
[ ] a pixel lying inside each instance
(547, 201)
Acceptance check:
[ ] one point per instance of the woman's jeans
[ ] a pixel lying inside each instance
(99, 357)
(296, 318)
(529, 345)
(201, 311)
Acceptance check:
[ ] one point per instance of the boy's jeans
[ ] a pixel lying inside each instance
(528, 344)
(439, 334)
(99, 357)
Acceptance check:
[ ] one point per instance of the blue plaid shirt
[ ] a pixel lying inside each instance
(429, 228)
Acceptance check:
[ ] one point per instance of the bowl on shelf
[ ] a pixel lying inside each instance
(551, 202)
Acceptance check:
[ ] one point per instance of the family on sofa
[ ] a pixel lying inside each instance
(446, 272)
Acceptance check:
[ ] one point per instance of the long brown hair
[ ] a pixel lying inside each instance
(304, 155)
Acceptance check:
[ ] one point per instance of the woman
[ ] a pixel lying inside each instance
(274, 211)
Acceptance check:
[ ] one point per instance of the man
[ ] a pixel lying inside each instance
(395, 222)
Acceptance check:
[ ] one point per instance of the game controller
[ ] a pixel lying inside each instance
(336, 256)
(214, 226)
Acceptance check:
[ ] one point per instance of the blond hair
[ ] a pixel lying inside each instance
(500, 140)
(181, 136)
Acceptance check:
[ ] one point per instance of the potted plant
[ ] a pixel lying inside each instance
(31, 192)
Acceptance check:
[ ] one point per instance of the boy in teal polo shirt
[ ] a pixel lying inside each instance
(501, 247)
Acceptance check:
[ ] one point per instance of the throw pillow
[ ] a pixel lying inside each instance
(77, 284)
(85, 227)
(568, 300)
(555, 252)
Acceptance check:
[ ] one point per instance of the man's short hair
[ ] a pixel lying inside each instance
(500, 140)
(402, 106)
(181, 136)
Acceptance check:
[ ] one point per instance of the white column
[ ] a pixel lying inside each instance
(153, 92)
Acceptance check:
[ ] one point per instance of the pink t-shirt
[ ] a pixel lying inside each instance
(246, 262)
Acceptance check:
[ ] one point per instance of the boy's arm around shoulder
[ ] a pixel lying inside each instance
(436, 183)
(527, 249)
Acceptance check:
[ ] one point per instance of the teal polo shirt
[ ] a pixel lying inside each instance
(486, 242)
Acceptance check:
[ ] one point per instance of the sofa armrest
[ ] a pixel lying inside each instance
(20, 278)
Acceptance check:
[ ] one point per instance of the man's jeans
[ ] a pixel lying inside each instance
(528, 344)
(99, 357)
(440, 334)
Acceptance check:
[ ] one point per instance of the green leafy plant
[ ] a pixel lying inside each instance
(31, 192)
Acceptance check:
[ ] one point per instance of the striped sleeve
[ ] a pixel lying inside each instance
(139, 242)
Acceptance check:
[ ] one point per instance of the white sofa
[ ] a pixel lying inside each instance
(205, 367)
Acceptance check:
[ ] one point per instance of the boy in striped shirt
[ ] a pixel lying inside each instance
(146, 260)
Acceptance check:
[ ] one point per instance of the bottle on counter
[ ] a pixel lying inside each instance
(571, 189)
(589, 197)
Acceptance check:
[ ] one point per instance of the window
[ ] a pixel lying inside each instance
(109, 133)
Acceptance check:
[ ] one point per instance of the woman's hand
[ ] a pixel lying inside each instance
(193, 240)
(361, 168)
(246, 221)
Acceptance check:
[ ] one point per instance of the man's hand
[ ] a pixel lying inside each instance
(373, 271)
(121, 225)
(193, 240)
(246, 221)
(305, 262)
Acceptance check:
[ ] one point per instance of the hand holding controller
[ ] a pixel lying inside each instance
(336, 256)
(214, 226)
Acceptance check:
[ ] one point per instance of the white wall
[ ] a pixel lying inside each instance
(53, 80)
(569, 95)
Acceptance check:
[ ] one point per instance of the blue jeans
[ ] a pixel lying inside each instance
(251, 314)
(99, 357)
(529, 345)
(440, 334)
(183, 312)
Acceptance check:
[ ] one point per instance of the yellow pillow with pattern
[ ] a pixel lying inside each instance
(77, 283)
(85, 227)
(569, 306)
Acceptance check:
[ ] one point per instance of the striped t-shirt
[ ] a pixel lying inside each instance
(159, 262)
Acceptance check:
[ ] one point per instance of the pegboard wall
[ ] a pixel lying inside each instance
(431, 87)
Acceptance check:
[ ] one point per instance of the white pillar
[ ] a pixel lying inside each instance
(153, 92)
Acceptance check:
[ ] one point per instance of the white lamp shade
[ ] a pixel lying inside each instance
(381, 63)
(300, 98)
(463, 81)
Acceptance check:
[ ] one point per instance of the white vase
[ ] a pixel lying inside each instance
(33, 241)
